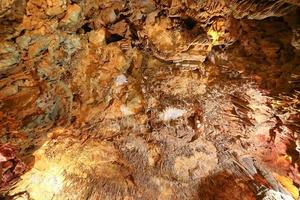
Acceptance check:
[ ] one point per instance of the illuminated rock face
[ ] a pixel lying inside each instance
(170, 99)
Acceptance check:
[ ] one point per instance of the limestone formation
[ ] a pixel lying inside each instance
(149, 99)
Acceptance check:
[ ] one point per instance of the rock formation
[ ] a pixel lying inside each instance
(149, 99)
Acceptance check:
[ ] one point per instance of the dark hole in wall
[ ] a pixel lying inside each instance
(113, 38)
(87, 27)
(189, 23)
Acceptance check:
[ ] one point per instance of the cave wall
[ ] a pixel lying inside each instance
(168, 99)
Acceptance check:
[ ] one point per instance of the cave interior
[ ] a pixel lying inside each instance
(149, 99)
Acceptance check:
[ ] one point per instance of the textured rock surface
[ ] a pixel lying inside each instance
(169, 99)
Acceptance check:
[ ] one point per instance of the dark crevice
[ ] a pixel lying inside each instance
(189, 23)
(113, 38)
(87, 27)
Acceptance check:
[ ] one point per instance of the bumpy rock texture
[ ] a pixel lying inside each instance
(149, 99)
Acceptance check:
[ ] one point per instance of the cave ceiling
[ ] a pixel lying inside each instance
(149, 99)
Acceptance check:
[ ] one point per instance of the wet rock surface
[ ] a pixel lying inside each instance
(166, 99)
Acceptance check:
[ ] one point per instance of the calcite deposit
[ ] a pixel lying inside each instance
(149, 99)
